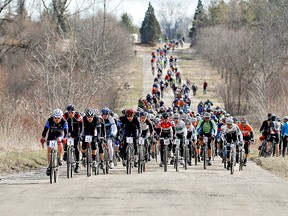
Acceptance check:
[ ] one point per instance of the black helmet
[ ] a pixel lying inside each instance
(70, 108)
(142, 114)
(165, 115)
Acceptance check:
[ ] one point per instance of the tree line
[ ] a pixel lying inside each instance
(246, 41)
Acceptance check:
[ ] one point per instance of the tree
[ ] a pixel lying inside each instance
(127, 21)
(199, 21)
(150, 29)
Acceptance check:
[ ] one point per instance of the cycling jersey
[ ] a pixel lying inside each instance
(110, 125)
(231, 134)
(166, 127)
(146, 128)
(247, 131)
(74, 124)
(130, 128)
(180, 128)
(56, 130)
(206, 127)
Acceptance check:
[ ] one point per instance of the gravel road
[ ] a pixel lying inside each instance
(195, 191)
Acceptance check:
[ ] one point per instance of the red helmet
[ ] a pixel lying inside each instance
(129, 112)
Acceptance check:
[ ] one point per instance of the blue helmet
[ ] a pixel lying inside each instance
(105, 111)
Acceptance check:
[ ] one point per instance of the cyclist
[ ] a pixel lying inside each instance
(191, 135)
(180, 133)
(111, 132)
(74, 120)
(58, 130)
(284, 135)
(147, 131)
(206, 127)
(248, 136)
(131, 128)
(167, 131)
(231, 133)
(268, 129)
(92, 126)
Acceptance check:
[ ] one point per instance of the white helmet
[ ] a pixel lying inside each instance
(57, 113)
(229, 121)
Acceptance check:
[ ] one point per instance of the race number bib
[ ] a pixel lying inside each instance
(88, 138)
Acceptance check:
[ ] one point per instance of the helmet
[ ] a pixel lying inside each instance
(193, 119)
(198, 118)
(243, 120)
(187, 121)
(129, 112)
(227, 115)
(273, 117)
(235, 120)
(89, 112)
(123, 111)
(207, 115)
(57, 113)
(105, 111)
(285, 118)
(165, 115)
(181, 112)
(142, 114)
(96, 111)
(116, 116)
(176, 116)
(157, 120)
(229, 121)
(70, 108)
(111, 113)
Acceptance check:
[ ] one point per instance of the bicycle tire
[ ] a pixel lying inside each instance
(240, 160)
(195, 156)
(156, 152)
(140, 150)
(128, 161)
(165, 158)
(204, 158)
(68, 163)
(232, 162)
(106, 161)
(176, 162)
(56, 167)
(89, 161)
(186, 158)
(51, 167)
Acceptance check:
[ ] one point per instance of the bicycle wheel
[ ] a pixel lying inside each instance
(140, 151)
(156, 152)
(68, 162)
(186, 157)
(195, 156)
(97, 158)
(165, 157)
(176, 162)
(56, 167)
(51, 167)
(106, 161)
(128, 168)
(213, 150)
(232, 162)
(241, 161)
(204, 158)
(89, 161)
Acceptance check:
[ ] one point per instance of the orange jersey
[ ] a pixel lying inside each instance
(246, 131)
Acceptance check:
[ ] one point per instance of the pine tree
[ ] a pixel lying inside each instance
(127, 21)
(200, 20)
(150, 29)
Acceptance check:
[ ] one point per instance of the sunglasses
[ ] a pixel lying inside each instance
(56, 118)
(129, 115)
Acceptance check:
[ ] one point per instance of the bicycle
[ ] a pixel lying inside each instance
(241, 157)
(88, 140)
(232, 157)
(166, 142)
(205, 152)
(54, 167)
(186, 154)
(176, 159)
(129, 154)
(106, 158)
(141, 159)
(70, 160)
(155, 151)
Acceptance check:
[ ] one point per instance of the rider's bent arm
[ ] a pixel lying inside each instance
(113, 126)
(46, 128)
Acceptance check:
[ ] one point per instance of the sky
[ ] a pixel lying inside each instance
(136, 8)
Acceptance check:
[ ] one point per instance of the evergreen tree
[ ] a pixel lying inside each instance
(150, 29)
(200, 20)
(127, 21)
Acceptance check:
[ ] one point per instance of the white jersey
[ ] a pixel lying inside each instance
(233, 130)
(180, 128)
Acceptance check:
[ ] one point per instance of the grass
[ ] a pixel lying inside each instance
(19, 161)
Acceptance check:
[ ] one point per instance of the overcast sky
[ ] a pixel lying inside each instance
(137, 8)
